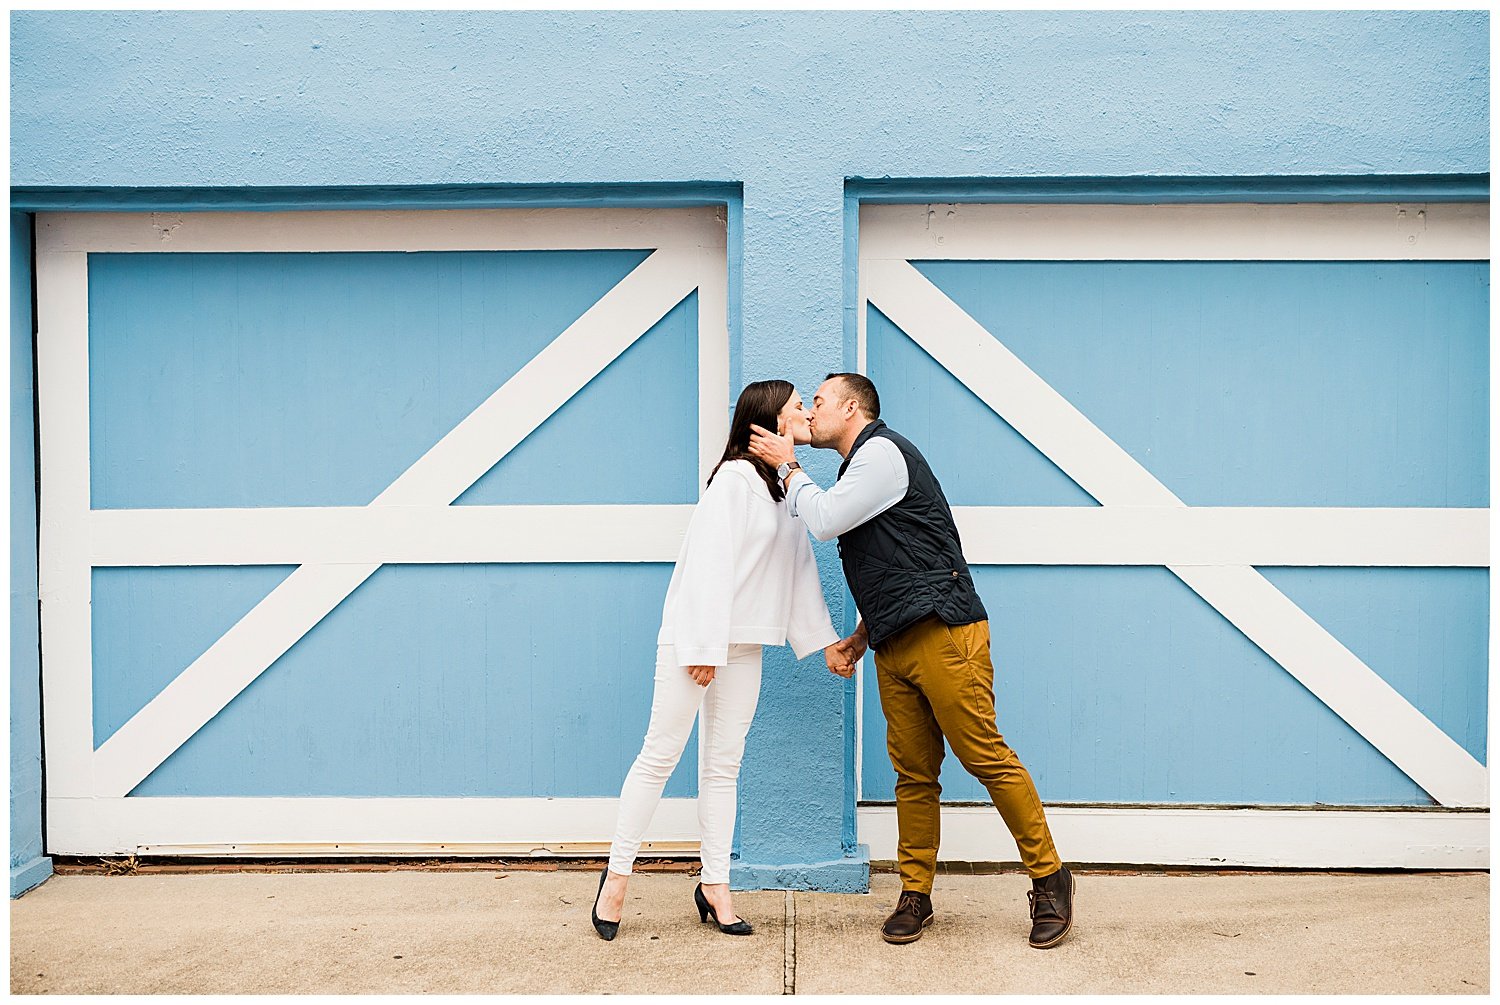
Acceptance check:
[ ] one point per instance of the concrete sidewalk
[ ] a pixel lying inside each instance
(476, 932)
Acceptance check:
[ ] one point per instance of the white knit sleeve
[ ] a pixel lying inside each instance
(809, 627)
(706, 572)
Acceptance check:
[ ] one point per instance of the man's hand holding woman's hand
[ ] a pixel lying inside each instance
(840, 658)
(845, 653)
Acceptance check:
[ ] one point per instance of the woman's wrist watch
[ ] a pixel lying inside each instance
(783, 470)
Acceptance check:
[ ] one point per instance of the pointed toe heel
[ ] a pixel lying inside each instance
(706, 913)
(607, 929)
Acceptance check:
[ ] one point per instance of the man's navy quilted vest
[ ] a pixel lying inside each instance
(907, 562)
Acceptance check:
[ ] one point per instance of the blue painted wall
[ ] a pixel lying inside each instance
(28, 867)
(788, 104)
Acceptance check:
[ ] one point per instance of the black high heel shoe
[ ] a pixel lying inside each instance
(706, 911)
(607, 929)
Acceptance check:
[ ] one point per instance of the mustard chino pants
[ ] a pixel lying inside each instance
(937, 681)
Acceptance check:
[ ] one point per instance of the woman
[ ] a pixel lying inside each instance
(745, 578)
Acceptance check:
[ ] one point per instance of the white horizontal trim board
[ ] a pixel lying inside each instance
(1176, 232)
(993, 535)
(1108, 473)
(1214, 535)
(207, 825)
(693, 227)
(388, 534)
(1279, 838)
(1270, 838)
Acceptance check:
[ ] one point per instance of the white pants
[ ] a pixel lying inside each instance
(727, 706)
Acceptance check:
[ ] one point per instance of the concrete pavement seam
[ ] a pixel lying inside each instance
(789, 957)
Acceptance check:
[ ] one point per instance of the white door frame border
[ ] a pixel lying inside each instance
(335, 548)
(1213, 550)
(1270, 838)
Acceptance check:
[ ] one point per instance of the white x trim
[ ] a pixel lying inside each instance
(1199, 548)
(335, 548)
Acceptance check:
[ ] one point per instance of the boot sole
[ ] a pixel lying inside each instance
(1064, 933)
(901, 940)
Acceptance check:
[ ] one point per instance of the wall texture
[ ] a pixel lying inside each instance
(28, 867)
(789, 105)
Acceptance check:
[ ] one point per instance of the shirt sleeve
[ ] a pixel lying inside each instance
(705, 597)
(875, 481)
(809, 628)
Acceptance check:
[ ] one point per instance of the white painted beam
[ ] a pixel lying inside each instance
(1177, 232)
(1344, 838)
(1220, 838)
(684, 228)
(64, 577)
(713, 359)
(1224, 535)
(388, 534)
(206, 825)
(992, 535)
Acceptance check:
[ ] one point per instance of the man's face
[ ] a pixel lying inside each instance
(830, 413)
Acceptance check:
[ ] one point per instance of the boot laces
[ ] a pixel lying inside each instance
(1036, 897)
(911, 903)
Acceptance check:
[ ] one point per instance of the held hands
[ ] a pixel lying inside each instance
(773, 448)
(845, 653)
(840, 658)
(702, 675)
(859, 642)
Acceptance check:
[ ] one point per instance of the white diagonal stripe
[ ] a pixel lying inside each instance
(454, 463)
(1448, 772)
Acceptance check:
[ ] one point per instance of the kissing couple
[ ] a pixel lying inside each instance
(746, 578)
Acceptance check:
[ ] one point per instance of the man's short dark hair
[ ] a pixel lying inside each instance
(858, 387)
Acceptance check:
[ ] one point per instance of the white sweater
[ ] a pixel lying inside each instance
(746, 573)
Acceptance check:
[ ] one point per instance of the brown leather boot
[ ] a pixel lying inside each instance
(1051, 908)
(913, 913)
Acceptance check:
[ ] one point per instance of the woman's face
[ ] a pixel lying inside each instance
(792, 420)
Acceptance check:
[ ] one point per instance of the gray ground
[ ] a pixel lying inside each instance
(475, 932)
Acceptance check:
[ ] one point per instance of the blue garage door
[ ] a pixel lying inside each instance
(1279, 388)
(403, 481)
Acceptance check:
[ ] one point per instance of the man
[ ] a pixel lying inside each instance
(921, 615)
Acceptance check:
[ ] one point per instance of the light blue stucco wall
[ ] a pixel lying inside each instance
(788, 104)
(28, 866)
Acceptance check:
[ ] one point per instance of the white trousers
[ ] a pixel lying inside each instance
(727, 705)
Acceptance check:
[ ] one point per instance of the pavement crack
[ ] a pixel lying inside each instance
(789, 959)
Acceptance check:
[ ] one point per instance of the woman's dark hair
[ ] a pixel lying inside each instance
(760, 403)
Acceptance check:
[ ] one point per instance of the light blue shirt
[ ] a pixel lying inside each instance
(875, 480)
